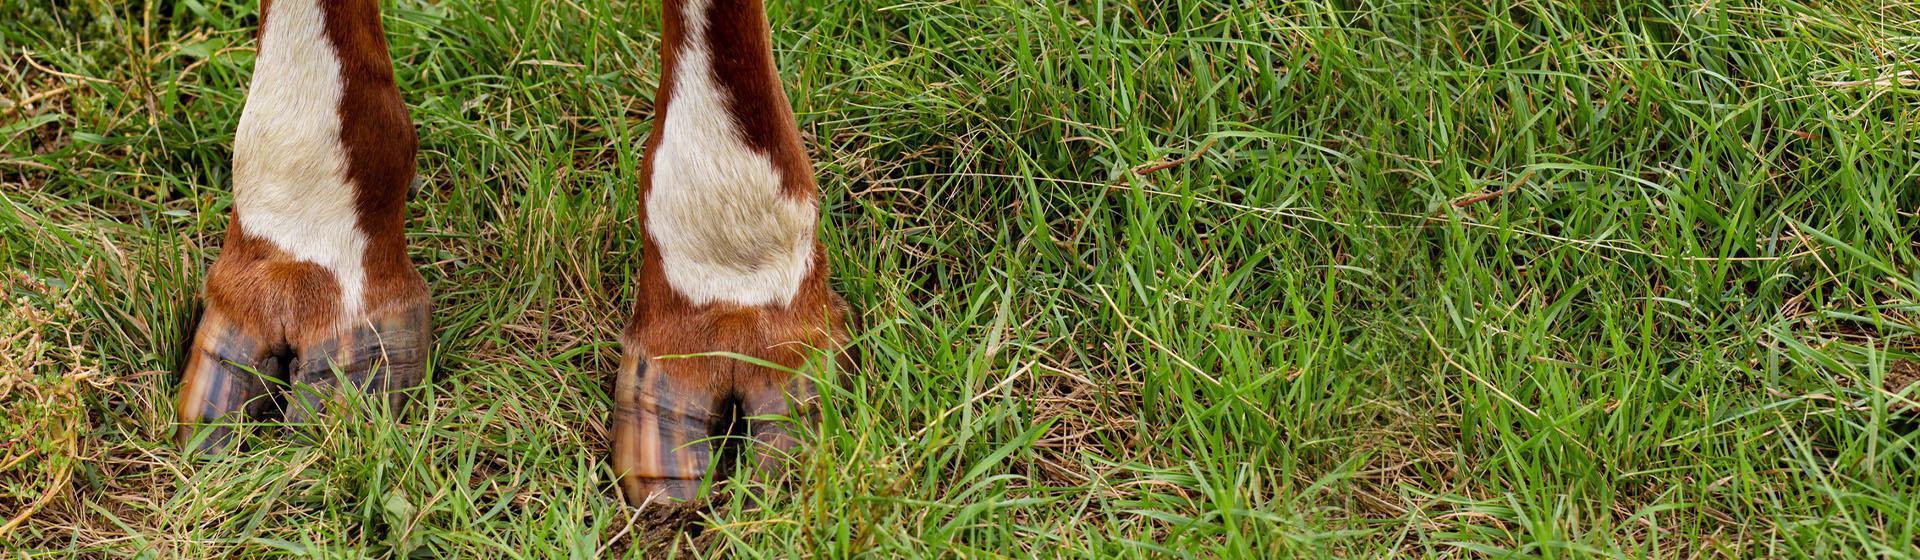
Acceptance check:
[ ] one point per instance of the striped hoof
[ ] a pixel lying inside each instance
(682, 423)
(234, 375)
(382, 357)
(226, 382)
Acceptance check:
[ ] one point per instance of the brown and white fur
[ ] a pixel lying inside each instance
(315, 277)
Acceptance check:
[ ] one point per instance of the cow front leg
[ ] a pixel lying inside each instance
(313, 288)
(733, 263)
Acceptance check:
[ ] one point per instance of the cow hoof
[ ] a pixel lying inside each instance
(236, 374)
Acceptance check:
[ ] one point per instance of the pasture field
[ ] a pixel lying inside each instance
(1152, 278)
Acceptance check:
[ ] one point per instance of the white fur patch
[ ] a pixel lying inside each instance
(289, 168)
(724, 230)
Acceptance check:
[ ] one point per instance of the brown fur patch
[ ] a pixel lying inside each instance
(379, 139)
(270, 296)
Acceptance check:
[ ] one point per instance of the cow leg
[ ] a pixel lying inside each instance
(314, 271)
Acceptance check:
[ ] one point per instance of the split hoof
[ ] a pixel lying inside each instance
(682, 423)
(235, 375)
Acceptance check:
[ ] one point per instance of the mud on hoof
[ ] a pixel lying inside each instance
(235, 374)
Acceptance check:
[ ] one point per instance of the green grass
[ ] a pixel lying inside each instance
(1509, 278)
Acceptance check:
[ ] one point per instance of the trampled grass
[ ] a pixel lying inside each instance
(1184, 278)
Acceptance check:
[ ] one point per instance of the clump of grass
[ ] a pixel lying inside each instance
(45, 380)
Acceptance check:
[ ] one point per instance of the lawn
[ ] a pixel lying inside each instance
(1173, 278)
